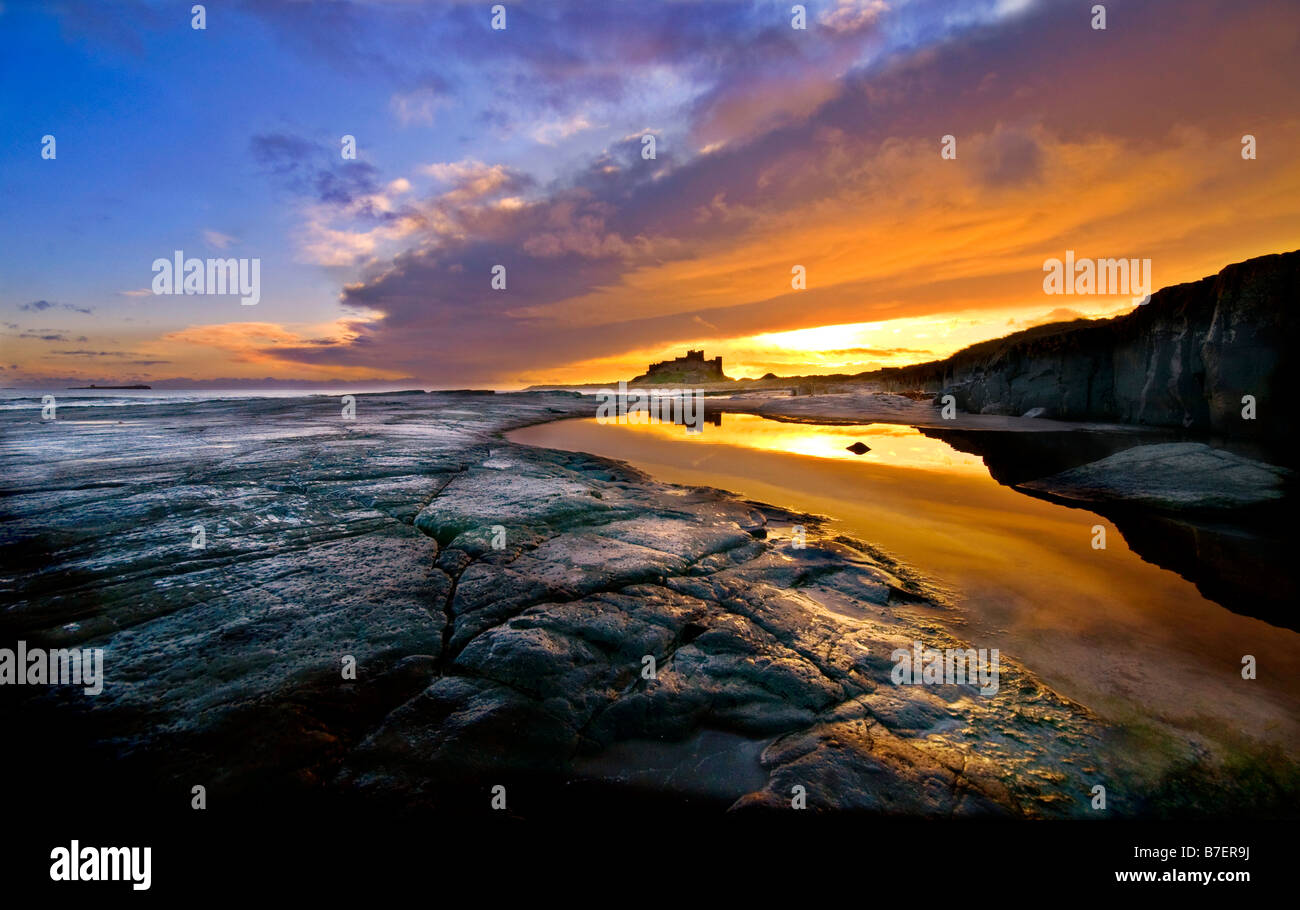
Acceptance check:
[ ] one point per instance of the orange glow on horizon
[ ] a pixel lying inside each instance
(848, 348)
(896, 445)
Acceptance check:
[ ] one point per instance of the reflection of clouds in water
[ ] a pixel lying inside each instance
(890, 444)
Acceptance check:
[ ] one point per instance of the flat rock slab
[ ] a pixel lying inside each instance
(1174, 476)
(514, 614)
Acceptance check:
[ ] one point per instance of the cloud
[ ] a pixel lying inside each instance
(37, 306)
(853, 15)
(848, 182)
(471, 180)
(93, 353)
(48, 335)
(218, 239)
(121, 356)
(314, 169)
(347, 212)
(283, 153)
(875, 352)
(552, 131)
(417, 106)
(265, 346)
(471, 194)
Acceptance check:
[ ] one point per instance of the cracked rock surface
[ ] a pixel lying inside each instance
(548, 621)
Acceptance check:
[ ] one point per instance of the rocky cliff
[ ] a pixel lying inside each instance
(1185, 359)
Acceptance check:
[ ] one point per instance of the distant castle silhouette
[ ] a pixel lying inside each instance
(691, 368)
(693, 361)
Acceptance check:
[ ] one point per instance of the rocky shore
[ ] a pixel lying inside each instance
(521, 664)
(501, 605)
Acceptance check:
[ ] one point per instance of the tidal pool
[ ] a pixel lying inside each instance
(1136, 643)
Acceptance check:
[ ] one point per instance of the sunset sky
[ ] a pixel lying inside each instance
(775, 147)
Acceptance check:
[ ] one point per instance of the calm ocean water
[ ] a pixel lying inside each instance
(19, 399)
(31, 398)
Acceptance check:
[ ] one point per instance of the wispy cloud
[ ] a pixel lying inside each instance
(39, 306)
(550, 132)
(417, 106)
(217, 239)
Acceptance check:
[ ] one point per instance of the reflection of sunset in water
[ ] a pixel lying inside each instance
(889, 444)
(1134, 642)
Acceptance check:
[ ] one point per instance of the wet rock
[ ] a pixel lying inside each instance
(1173, 476)
(515, 615)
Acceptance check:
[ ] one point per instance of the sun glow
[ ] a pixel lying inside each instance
(862, 346)
(887, 444)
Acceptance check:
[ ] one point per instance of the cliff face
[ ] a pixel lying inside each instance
(1185, 359)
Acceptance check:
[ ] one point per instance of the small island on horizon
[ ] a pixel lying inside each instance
(93, 386)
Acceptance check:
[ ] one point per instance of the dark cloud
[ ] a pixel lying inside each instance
(282, 153)
(1046, 65)
(313, 168)
(563, 53)
(37, 306)
(343, 184)
(873, 352)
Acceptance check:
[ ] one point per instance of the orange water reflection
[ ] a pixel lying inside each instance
(1134, 642)
(888, 444)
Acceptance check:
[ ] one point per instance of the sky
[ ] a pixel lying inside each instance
(524, 148)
